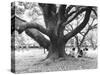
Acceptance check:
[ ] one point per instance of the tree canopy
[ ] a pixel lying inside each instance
(56, 18)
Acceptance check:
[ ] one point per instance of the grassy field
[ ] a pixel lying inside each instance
(26, 59)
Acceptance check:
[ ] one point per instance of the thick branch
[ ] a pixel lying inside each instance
(38, 27)
(61, 13)
(94, 12)
(60, 19)
(37, 36)
(71, 13)
(90, 27)
(68, 9)
(50, 18)
(78, 13)
(80, 27)
(49, 12)
(23, 25)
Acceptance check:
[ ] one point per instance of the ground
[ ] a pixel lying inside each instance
(27, 58)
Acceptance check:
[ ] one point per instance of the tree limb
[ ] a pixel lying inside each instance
(84, 37)
(81, 26)
(38, 27)
(37, 36)
(61, 13)
(92, 27)
(68, 9)
(60, 19)
(94, 12)
(82, 33)
(79, 12)
(23, 25)
(49, 12)
(72, 13)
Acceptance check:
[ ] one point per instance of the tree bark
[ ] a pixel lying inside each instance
(56, 50)
(37, 36)
(77, 43)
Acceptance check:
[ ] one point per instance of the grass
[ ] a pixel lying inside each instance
(26, 59)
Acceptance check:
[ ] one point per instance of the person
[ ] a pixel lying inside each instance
(86, 48)
(80, 53)
(74, 52)
(73, 49)
(85, 51)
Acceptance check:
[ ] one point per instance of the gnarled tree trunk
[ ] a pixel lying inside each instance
(56, 50)
(55, 21)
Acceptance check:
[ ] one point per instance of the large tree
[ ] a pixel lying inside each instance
(55, 18)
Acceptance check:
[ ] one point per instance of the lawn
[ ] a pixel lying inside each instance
(27, 58)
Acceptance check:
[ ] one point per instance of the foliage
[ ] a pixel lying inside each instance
(56, 19)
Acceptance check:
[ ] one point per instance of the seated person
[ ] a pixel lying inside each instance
(86, 48)
(74, 53)
(80, 53)
(85, 51)
(73, 49)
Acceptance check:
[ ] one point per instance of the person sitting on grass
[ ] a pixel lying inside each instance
(80, 53)
(85, 51)
(74, 52)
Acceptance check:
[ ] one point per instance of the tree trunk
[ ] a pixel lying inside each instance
(77, 44)
(56, 50)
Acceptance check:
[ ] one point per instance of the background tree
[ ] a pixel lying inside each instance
(81, 36)
(55, 18)
(92, 41)
(28, 11)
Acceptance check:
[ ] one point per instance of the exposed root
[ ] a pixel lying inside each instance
(50, 60)
(46, 62)
(42, 60)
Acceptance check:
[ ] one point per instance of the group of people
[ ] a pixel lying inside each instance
(78, 53)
